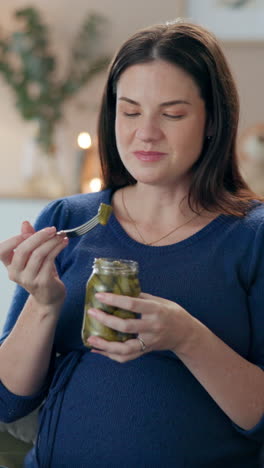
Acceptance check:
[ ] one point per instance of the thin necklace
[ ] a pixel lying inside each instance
(160, 238)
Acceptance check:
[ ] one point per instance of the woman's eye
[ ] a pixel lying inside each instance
(131, 114)
(175, 117)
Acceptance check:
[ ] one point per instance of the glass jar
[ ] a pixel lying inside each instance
(115, 276)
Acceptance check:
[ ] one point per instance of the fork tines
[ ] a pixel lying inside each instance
(83, 229)
(86, 227)
(101, 218)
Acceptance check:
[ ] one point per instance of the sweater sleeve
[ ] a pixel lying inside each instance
(256, 317)
(12, 406)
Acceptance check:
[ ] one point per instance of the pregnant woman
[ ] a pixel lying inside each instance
(188, 390)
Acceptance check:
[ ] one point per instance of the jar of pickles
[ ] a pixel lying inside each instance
(115, 276)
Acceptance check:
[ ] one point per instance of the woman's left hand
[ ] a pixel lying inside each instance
(164, 325)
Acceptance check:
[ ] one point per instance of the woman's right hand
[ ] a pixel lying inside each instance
(30, 261)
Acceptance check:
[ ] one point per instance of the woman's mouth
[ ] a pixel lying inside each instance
(149, 156)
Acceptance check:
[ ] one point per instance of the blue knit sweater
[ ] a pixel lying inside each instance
(150, 412)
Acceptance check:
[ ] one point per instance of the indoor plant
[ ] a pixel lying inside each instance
(29, 67)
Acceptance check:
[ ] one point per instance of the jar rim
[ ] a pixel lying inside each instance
(119, 264)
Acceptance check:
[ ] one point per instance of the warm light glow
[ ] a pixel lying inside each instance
(84, 140)
(93, 185)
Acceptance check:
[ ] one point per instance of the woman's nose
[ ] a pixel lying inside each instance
(148, 131)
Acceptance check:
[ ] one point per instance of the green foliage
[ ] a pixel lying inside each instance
(29, 67)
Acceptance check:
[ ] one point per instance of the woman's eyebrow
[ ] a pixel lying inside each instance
(173, 103)
(163, 104)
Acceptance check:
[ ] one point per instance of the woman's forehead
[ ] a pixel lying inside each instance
(158, 79)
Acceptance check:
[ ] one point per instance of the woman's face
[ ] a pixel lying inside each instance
(160, 122)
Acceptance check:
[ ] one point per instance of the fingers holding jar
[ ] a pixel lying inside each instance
(162, 325)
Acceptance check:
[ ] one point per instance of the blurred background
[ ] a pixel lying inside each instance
(53, 61)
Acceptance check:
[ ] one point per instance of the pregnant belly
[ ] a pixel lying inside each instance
(145, 413)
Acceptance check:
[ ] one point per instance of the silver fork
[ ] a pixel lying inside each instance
(102, 217)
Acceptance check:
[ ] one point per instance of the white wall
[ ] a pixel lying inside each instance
(12, 213)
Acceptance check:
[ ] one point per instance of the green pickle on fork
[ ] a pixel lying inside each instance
(115, 276)
(102, 217)
(104, 213)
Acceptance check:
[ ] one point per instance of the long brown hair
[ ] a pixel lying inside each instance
(216, 184)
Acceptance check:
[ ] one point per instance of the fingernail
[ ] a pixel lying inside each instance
(61, 235)
(99, 295)
(50, 230)
(92, 312)
(62, 239)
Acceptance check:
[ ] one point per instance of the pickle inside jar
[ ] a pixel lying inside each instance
(118, 284)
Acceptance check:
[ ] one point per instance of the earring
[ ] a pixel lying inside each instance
(209, 137)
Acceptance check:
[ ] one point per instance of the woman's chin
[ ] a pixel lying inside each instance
(149, 179)
(149, 175)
